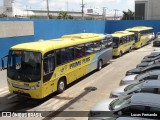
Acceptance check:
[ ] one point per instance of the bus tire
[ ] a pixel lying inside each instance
(100, 65)
(61, 85)
(120, 54)
(130, 49)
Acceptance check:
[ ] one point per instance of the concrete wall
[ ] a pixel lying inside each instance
(154, 9)
(16, 29)
(151, 9)
(12, 33)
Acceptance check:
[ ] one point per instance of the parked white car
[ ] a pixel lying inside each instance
(149, 75)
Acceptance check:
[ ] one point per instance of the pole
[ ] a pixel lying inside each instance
(67, 5)
(27, 11)
(82, 10)
(104, 13)
(47, 9)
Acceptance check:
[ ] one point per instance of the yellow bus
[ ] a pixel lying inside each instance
(123, 41)
(40, 68)
(143, 35)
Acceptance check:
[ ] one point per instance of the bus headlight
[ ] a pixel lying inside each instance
(32, 88)
(36, 86)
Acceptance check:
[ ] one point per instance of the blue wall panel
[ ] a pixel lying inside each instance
(124, 24)
(45, 29)
(6, 43)
(49, 29)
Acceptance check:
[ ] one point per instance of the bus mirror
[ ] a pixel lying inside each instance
(3, 64)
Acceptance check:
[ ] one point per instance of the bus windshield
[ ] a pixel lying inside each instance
(24, 66)
(115, 42)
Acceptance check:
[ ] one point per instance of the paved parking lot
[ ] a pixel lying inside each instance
(78, 97)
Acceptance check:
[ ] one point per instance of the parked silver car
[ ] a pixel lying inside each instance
(151, 58)
(149, 75)
(142, 70)
(145, 64)
(152, 55)
(140, 103)
(151, 86)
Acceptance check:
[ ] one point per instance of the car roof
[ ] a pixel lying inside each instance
(153, 65)
(151, 71)
(146, 99)
(152, 83)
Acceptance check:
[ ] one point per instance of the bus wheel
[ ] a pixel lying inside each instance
(100, 65)
(61, 85)
(130, 49)
(120, 54)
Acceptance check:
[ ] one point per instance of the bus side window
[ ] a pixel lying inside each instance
(97, 46)
(110, 42)
(70, 52)
(133, 37)
(128, 39)
(49, 64)
(89, 48)
(80, 51)
(58, 57)
(67, 55)
(104, 43)
(121, 41)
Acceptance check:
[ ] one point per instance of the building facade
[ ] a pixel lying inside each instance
(147, 9)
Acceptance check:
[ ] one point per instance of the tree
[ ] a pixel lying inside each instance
(129, 15)
(3, 15)
(34, 17)
(64, 15)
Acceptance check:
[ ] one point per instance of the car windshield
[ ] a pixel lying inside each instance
(115, 42)
(131, 86)
(151, 63)
(119, 103)
(141, 75)
(24, 66)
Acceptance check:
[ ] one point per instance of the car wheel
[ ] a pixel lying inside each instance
(130, 49)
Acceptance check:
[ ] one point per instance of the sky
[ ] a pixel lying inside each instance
(75, 5)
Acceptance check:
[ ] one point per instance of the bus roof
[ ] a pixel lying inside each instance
(139, 28)
(65, 41)
(122, 33)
